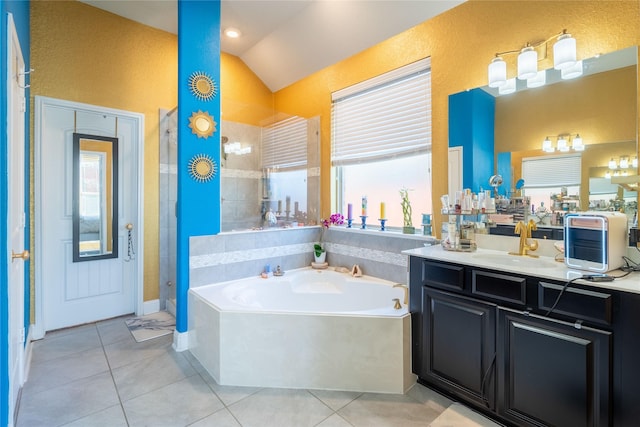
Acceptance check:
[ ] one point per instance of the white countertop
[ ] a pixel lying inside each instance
(544, 267)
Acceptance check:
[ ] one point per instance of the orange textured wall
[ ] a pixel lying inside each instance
(461, 42)
(87, 55)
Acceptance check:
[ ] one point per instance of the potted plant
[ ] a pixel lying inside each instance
(408, 227)
(319, 252)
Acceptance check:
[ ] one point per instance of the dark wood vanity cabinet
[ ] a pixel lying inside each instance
(483, 337)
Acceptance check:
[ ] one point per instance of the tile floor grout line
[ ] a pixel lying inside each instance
(115, 385)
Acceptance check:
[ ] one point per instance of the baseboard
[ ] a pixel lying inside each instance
(180, 341)
(149, 307)
(28, 354)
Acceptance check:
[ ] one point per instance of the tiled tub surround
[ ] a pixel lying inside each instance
(231, 256)
(308, 329)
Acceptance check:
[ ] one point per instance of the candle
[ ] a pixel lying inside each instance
(288, 201)
(349, 211)
(279, 205)
(295, 209)
(382, 210)
(364, 206)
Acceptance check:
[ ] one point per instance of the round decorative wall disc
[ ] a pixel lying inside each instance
(202, 168)
(202, 124)
(202, 86)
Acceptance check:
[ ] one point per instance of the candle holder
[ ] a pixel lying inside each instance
(382, 221)
(364, 221)
(349, 221)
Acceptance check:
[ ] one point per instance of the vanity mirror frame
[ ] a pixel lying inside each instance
(105, 227)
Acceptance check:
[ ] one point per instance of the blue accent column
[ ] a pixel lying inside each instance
(471, 125)
(198, 205)
(505, 169)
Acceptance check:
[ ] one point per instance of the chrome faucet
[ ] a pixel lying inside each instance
(524, 230)
(406, 292)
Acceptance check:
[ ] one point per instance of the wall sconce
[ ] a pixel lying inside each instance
(564, 59)
(607, 174)
(562, 143)
(624, 163)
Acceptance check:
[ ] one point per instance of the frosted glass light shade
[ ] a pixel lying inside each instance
(547, 147)
(634, 162)
(572, 72)
(612, 164)
(527, 63)
(497, 72)
(564, 52)
(624, 162)
(508, 87)
(578, 145)
(562, 145)
(540, 79)
(607, 174)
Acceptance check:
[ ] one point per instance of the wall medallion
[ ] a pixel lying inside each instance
(202, 168)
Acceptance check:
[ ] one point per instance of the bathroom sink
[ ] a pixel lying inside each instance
(516, 261)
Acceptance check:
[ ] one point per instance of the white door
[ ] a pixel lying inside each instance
(73, 293)
(16, 221)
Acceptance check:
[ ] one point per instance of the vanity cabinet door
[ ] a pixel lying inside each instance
(551, 373)
(458, 346)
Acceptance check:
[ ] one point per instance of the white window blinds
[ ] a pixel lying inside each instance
(557, 171)
(284, 144)
(384, 117)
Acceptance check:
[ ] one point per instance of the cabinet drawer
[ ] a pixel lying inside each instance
(444, 276)
(575, 302)
(498, 286)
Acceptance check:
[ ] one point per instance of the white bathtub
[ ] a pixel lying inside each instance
(315, 329)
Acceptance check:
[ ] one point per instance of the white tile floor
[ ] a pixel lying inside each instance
(97, 375)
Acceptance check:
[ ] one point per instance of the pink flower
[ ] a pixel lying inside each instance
(336, 218)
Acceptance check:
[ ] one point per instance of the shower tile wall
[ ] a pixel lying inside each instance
(168, 197)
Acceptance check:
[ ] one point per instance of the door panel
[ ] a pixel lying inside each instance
(81, 292)
(552, 373)
(16, 210)
(459, 345)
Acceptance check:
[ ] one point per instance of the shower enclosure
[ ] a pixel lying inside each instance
(270, 178)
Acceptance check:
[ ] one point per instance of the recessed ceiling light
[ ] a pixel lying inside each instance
(232, 33)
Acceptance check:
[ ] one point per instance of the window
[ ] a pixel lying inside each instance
(284, 166)
(546, 175)
(381, 143)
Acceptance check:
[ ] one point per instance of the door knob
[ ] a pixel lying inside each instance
(129, 226)
(24, 255)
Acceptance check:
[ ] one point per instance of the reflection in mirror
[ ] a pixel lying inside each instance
(600, 107)
(95, 197)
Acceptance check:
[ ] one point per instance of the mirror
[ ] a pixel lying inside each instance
(95, 197)
(600, 106)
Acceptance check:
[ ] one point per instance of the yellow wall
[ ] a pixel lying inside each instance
(461, 42)
(83, 54)
(244, 98)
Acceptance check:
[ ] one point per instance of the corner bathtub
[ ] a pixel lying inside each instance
(315, 329)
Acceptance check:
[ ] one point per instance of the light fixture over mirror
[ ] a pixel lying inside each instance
(564, 143)
(564, 59)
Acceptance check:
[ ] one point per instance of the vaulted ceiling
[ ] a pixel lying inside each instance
(285, 41)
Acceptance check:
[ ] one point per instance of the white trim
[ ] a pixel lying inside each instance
(149, 307)
(180, 341)
(40, 103)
